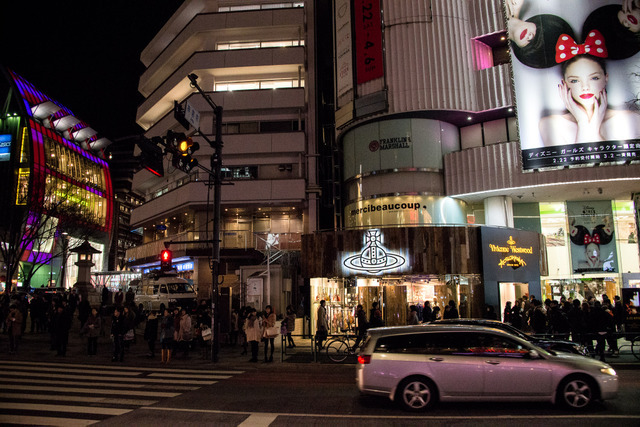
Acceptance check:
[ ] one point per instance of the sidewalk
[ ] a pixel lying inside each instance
(35, 347)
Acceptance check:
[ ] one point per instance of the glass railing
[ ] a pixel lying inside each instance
(231, 239)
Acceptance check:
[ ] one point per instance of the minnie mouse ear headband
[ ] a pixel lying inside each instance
(567, 48)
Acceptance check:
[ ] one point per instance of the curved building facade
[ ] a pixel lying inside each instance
(428, 135)
(58, 190)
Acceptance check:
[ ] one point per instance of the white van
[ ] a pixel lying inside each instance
(158, 291)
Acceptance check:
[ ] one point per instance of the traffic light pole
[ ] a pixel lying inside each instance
(216, 166)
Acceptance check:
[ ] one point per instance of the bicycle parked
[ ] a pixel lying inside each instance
(340, 347)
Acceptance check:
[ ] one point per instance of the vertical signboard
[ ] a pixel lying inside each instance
(593, 243)
(343, 50)
(368, 29)
(575, 77)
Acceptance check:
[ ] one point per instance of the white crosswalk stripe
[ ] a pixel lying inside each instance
(68, 394)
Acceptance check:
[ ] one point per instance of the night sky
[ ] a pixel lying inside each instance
(84, 54)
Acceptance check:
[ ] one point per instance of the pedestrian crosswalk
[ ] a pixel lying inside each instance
(68, 394)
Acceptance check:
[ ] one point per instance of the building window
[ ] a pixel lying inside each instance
(284, 5)
(240, 173)
(262, 127)
(259, 44)
(259, 84)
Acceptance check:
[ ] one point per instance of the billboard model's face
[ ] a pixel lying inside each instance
(521, 32)
(586, 81)
(629, 15)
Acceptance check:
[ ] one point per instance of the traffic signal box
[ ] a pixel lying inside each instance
(182, 148)
(165, 260)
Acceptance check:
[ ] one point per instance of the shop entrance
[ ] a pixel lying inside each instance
(510, 291)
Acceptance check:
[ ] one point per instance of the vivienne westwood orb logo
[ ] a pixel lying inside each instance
(373, 258)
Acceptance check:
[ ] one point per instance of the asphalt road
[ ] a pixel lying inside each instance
(327, 395)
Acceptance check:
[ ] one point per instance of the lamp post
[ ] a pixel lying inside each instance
(216, 174)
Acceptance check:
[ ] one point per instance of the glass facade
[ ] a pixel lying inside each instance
(555, 222)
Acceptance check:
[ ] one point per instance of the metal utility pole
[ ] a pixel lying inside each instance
(216, 172)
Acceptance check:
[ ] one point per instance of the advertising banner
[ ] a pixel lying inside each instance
(575, 77)
(593, 243)
(368, 26)
(631, 304)
(343, 49)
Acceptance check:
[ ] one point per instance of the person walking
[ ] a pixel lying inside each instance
(413, 316)
(322, 326)
(91, 329)
(118, 329)
(450, 311)
(184, 333)
(427, 311)
(233, 328)
(269, 336)
(361, 324)
(151, 332)
(166, 335)
(291, 325)
(62, 325)
(14, 328)
(253, 333)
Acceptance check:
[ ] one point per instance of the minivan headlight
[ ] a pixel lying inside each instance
(608, 371)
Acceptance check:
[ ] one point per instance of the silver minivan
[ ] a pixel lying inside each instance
(417, 366)
(157, 292)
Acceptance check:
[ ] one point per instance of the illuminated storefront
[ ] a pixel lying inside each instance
(400, 267)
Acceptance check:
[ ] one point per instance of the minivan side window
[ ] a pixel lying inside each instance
(418, 343)
(163, 289)
(484, 345)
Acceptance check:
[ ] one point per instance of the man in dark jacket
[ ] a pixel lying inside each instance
(363, 325)
(62, 324)
(538, 318)
(118, 329)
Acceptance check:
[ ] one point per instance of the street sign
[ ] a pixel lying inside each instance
(192, 115)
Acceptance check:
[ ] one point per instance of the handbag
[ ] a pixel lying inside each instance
(206, 334)
(129, 335)
(271, 331)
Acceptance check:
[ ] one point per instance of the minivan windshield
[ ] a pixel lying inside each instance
(179, 288)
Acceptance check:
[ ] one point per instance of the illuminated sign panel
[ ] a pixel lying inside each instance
(510, 255)
(373, 258)
(5, 148)
(574, 68)
(406, 210)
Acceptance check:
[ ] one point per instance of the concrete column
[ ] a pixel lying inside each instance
(498, 211)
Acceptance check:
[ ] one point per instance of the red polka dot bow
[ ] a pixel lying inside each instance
(592, 239)
(567, 48)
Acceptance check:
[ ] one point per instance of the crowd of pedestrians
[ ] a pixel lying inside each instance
(115, 317)
(581, 321)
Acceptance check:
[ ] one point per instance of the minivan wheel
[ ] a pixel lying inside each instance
(416, 394)
(576, 393)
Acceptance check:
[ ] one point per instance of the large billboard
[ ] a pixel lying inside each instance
(593, 243)
(368, 29)
(575, 77)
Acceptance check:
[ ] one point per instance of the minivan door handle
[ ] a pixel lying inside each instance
(436, 359)
(492, 362)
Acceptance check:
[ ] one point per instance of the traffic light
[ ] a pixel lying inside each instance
(165, 259)
(151, 155)
(182, 147)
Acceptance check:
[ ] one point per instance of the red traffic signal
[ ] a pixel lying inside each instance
(165, 259)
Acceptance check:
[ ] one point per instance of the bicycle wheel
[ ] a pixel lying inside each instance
(635, 347)
(337, 351)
